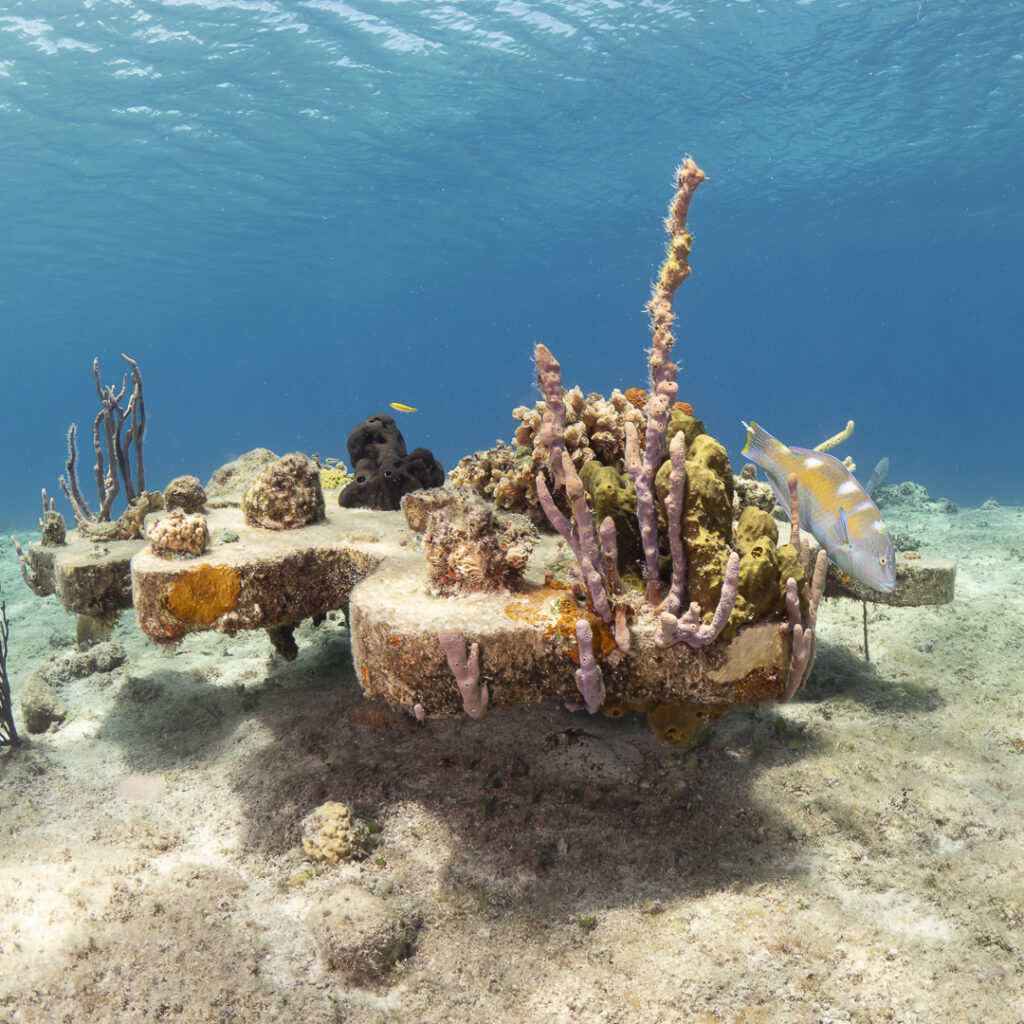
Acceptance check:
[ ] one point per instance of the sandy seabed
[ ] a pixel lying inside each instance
(854, 856)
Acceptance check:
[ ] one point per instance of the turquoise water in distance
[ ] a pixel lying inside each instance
(293, 214)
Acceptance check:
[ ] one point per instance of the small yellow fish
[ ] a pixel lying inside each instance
(402, 407)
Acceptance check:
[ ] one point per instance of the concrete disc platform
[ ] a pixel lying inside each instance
(252, 578)
(919, 581)
(369, 564)
(528, 649)
(89, 577)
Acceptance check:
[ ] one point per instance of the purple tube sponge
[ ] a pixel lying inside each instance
(551, 437)
(588, 675)
(802, 629)
(591, 555)
(646, 516)
(466, 670)
(583, 540)
(674, 513)
(611, 553)
(689, 628)
(555, 517)
(674, 271)
(664, 389)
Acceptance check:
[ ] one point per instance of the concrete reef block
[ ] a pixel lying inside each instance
(254, 578)
(41, 558)
(227, 485)
(469, 549)
(55, 530)
(186, 493)
(367, 563)
(95, 579)
(529, 650)
(89, 577)
(40, 705)
(919, 581)
(418, 505)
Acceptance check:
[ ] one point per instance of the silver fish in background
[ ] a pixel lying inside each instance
(877, 478)
(832, 506)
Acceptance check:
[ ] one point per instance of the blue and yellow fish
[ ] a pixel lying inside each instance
(832, 505)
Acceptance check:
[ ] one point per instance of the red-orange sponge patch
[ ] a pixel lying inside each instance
(204, 594)
(638, 398)
(554, 609)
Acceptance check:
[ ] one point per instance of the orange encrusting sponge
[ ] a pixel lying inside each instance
(205, 594)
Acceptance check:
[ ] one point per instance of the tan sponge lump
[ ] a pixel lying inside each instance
(330, 833)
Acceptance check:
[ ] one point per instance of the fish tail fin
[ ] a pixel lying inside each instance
(746, 444)
(761, 447)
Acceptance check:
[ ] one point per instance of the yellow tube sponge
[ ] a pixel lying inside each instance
(836, 439)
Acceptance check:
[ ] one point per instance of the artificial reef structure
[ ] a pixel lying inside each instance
(609, 558)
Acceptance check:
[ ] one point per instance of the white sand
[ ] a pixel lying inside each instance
(853, 856)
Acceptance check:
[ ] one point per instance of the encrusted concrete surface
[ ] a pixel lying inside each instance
(89, 577)
(254, 578)
(369, 564)
(919, 581)
(528, 649)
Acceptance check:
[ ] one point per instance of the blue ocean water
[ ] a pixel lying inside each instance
(293, 214)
